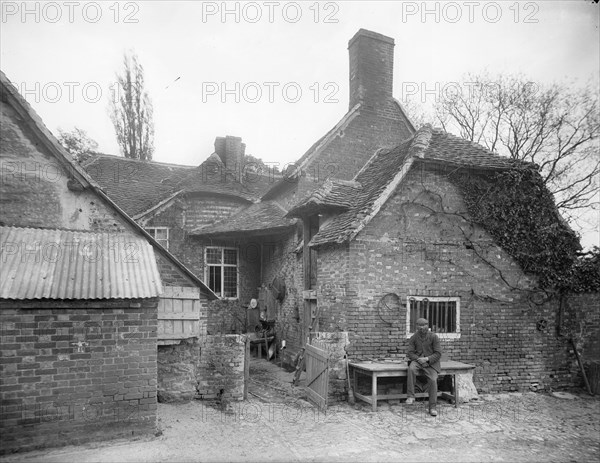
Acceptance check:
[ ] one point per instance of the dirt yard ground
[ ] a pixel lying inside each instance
(277, 424)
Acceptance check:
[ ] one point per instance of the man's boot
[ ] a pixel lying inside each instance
(432, 410)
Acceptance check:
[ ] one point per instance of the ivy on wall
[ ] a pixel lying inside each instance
(519, 212)
(585, 274)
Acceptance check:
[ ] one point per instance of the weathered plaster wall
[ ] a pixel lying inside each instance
(33, 190)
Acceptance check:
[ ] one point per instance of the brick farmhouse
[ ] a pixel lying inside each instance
(366, 232)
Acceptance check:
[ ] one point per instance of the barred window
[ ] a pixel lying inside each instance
(221, 271)
(160, 234)
(443, 314)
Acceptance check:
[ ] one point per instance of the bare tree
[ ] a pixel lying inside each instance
(131, 112)
(76, 142)
(556, 127)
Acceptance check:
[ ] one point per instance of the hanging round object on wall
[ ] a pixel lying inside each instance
(253, 304)
(388, 308)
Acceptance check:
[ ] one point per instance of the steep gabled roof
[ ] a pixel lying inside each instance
(379, 178)
(135, 185)
(35, 124)
(260, 218)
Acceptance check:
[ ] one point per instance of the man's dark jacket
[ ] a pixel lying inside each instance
(428, 346)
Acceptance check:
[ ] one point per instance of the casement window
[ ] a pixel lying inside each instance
(221, 271)
(160, 234)
(443, 314)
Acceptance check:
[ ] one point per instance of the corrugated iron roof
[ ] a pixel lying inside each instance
(63, 264)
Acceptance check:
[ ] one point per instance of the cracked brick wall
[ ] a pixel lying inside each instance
(416, 246)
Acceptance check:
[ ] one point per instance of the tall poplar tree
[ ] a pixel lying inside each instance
(131, 111)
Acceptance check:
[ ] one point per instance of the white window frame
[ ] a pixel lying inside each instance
(223, 265)
(161, 241)
(455, 335)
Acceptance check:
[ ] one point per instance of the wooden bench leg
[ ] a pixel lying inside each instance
(374, 391)
(455, 392)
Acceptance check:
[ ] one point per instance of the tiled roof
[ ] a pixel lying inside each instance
(213, 177)
(333, 194)
(265, 216)
(455, 151)
(137, 186)
(60, 264)
(386, 169)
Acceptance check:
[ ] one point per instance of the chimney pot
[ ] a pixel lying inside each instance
(231, 150)
(371, 70)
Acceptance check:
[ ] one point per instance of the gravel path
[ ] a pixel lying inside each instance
(276, 424)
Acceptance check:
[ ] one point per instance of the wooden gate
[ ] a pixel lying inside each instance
(179, 314)
(317, 375)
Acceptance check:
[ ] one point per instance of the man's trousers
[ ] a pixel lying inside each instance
(415, 369)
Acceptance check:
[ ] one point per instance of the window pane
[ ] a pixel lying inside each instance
(214, 279)
(230, 256)
(213, 255)
(441, 314)
(161, 234)
(413, 316)
(230, 284)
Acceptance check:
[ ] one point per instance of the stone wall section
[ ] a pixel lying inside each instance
(221, 367)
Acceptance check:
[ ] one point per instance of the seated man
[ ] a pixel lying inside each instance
(424, 354)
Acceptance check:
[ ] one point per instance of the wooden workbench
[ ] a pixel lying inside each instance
(400, 369)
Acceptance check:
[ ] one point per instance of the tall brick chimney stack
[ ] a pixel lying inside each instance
(371, 70)
(231, 150)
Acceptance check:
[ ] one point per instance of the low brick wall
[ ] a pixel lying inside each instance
(204, 368)
(221, 367)
(76, 371)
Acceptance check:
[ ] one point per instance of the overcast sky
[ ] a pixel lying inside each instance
(286, 63)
